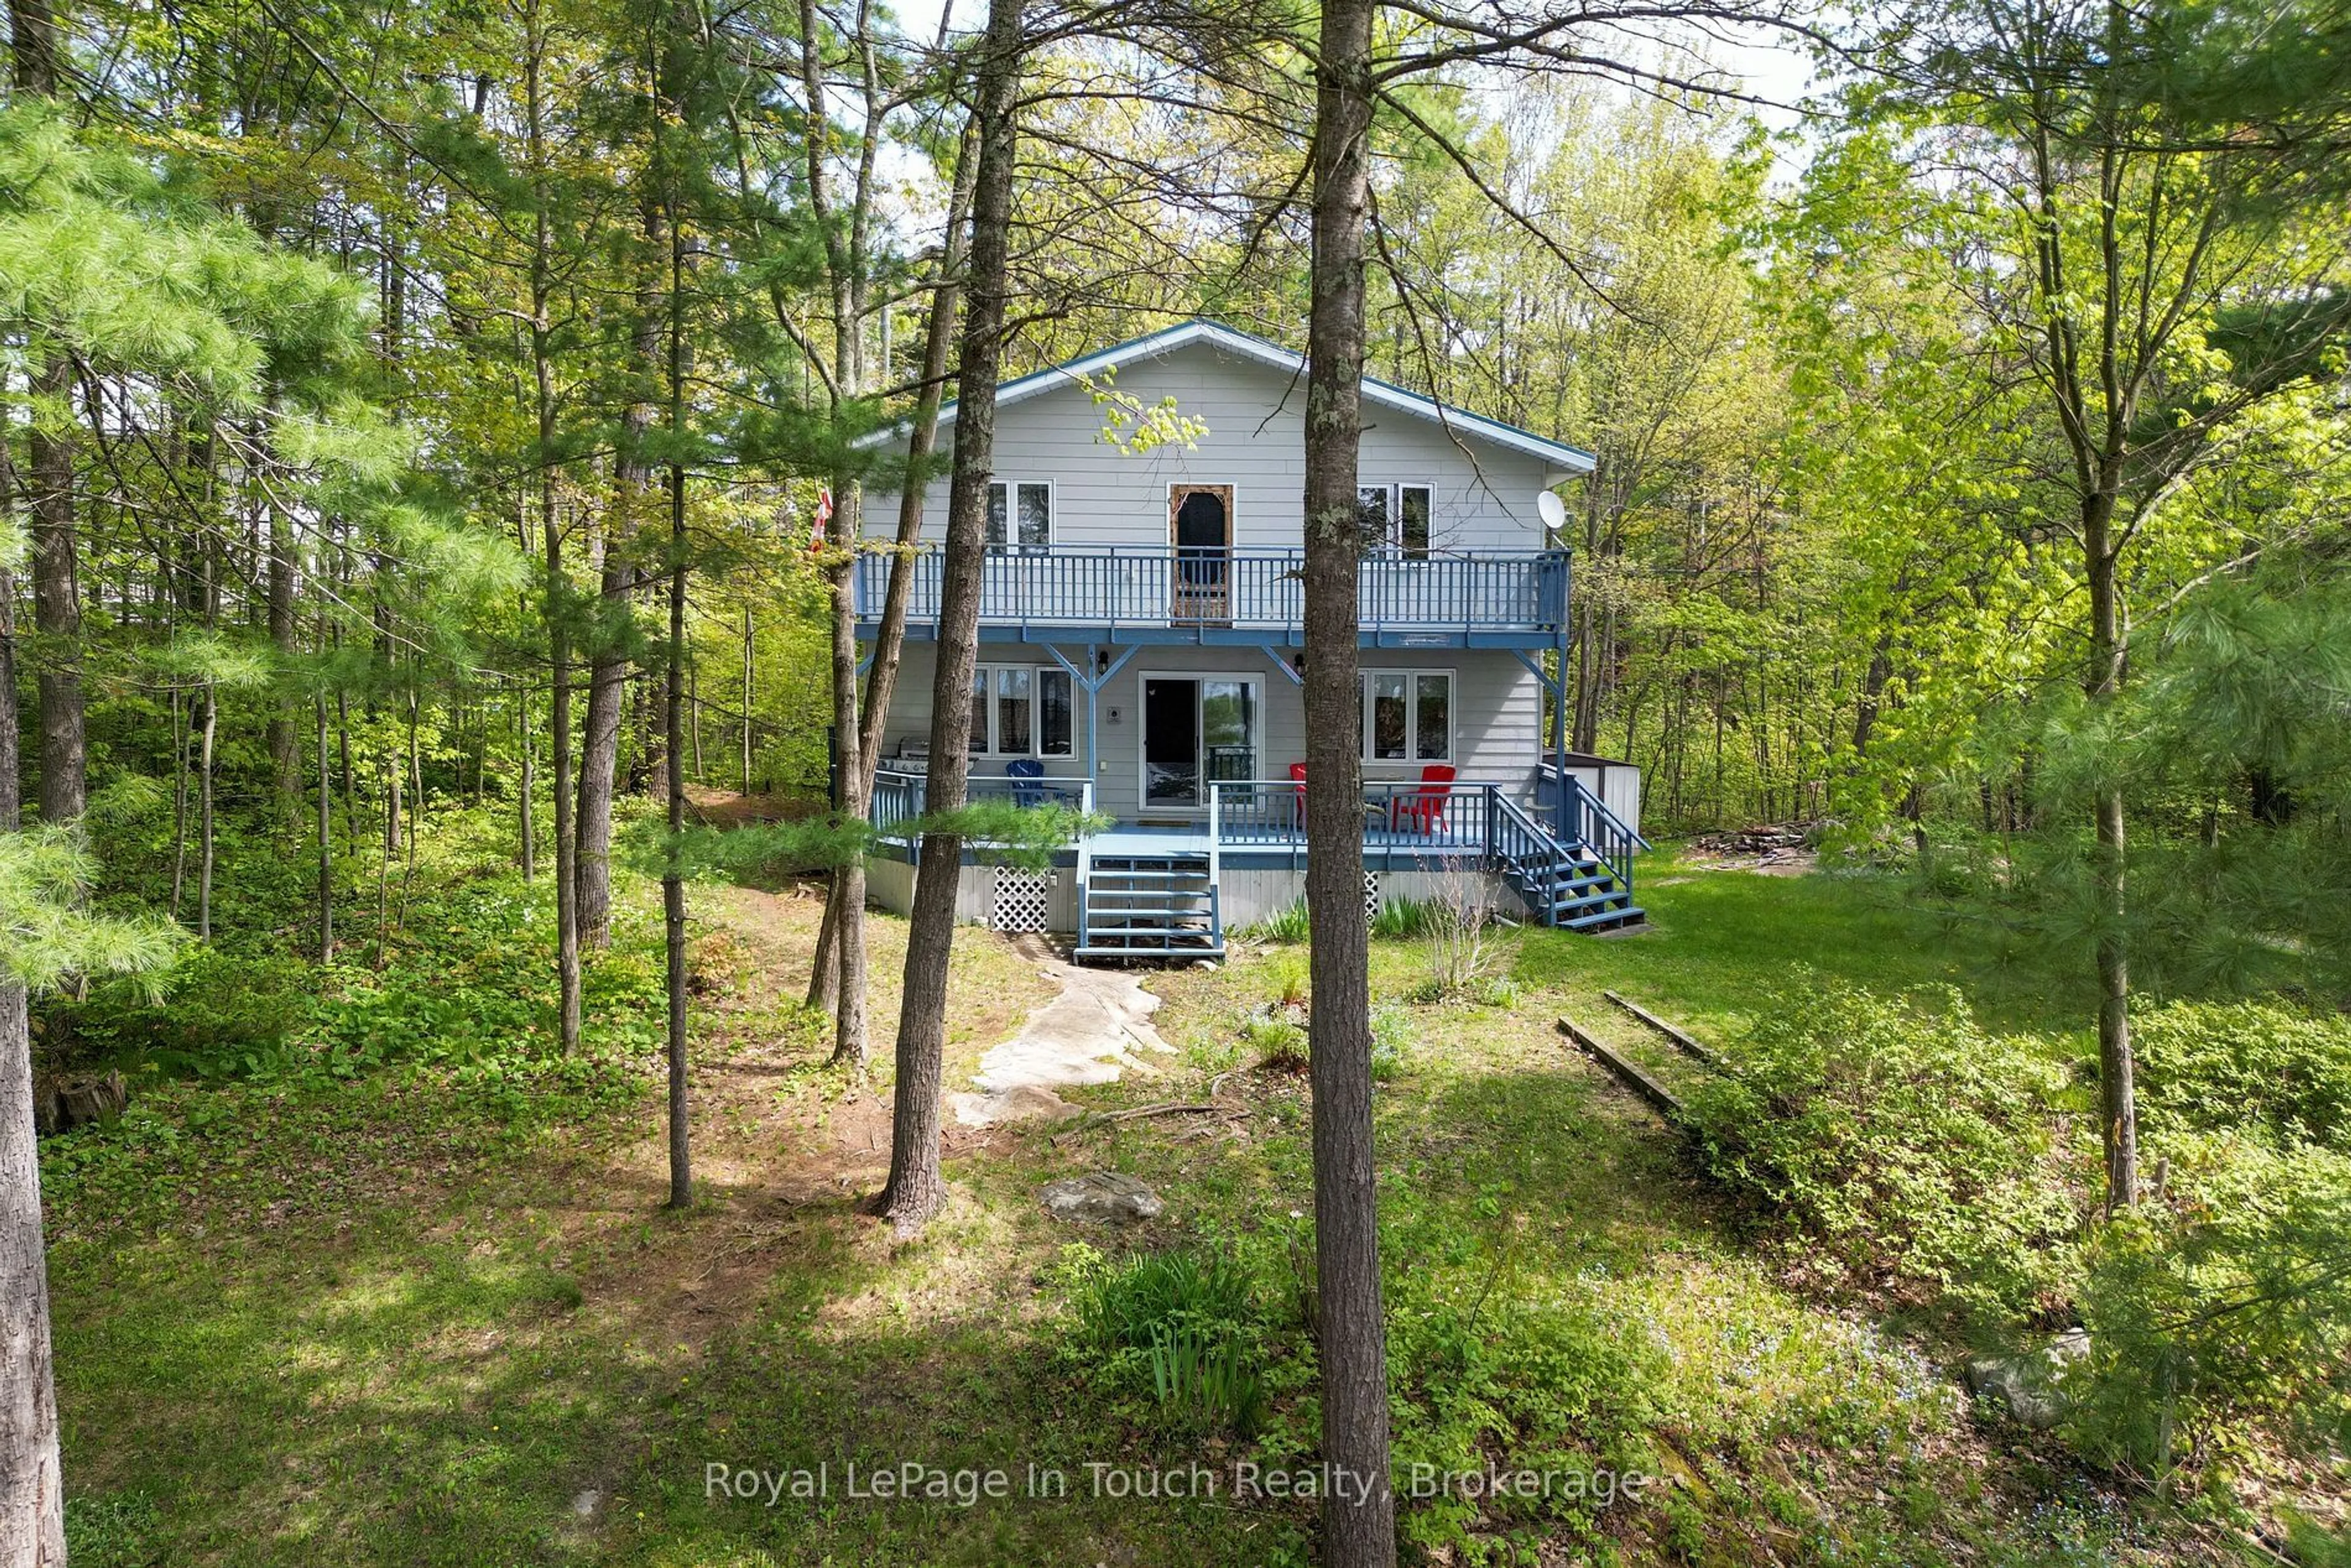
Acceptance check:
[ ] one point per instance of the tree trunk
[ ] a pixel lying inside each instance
(1358, 1520)
(848, 914)
(32, 1494)
(599, 758)
(326, 842)
(824, 968)
(57, 612)
(922, 435)
(915, 1191)
(525, 827)
(285, 751)
(680, 1169)
(888, 642)
(559, 607)
(56, 598)
(2117, 1095)
(180, 741)
(205, 815)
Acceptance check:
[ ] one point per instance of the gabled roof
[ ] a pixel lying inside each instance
(1564, 461)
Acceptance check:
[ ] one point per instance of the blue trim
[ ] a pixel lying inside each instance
(1572, 458)
(1125, 636)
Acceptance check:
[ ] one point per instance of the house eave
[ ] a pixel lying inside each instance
(1561, 460)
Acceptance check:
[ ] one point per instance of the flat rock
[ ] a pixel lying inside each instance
(1022, 1103)
(2030, 1387)
(1097, 1027)
(1101, 1197)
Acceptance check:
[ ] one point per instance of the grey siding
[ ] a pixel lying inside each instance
(1496, 724)
(1485, 495)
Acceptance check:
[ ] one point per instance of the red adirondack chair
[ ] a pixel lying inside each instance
(1424, 808)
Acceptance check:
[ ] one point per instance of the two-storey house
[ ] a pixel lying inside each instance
(1141, 646)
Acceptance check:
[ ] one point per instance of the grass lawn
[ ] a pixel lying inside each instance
(411, 1320)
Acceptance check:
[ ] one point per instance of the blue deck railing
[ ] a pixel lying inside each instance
(1406, 825)
(1108, 587)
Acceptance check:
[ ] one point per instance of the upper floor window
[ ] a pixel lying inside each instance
(1021, 514)
(1399, 518)
(1017, 710)
(1407, 715)
(1416, 519)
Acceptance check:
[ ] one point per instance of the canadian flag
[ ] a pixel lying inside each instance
(823, 516)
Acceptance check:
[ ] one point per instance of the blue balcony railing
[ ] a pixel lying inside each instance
(1105, 587)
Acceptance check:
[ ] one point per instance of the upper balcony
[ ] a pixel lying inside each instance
(1101, 594)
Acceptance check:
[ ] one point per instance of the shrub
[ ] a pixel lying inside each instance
(1551, 1382)
(1911, 1146)
(1288, 926)
(1290, 982)
(1182, 1327)
(2247, 1065)
(1392, 1036)
(1465, 945)
(2228, 1300)
(1401, 919)
(1276, 1041)
(225, 1013)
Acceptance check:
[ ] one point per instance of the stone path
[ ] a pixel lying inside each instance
(1098, 1027)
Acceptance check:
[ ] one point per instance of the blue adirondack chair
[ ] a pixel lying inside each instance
(1024, 772)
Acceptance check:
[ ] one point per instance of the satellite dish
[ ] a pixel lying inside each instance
(1551, 510)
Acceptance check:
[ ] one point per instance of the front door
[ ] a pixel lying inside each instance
(1197, 731)
(1200, 529)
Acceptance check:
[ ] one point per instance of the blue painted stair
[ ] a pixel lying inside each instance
(1149, 906)
(1573, 885)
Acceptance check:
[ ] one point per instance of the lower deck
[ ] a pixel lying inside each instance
(1172, 888)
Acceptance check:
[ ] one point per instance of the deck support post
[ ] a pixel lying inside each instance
(1094, 684)
(1556, 685)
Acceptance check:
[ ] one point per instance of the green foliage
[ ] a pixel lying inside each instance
(2228, 1299)
(1183, 1324)
(1207, 1379)
(1288, 981)
(1400, 919)
(116, 1529)
(470, 988)
(1904, 1142)
(1392, 1039)
(1002, 832)
(48, 931)
(1286, 927)
(2250, 1067)
(1277, 1042)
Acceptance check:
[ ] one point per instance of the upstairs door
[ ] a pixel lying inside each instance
(1200, 529)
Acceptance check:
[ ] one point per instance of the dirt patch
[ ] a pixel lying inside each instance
(784, 1144)
(730, 809)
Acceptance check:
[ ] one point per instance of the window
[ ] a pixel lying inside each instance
(1407, 715)
(1052, 713)
(1397, 518)
(1021, 513)
(1019, 711)
(1416, 509)
(1372, 515)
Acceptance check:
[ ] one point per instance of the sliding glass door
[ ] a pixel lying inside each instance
(1198, 730)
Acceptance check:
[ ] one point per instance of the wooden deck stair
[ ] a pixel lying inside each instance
(1140, 905)
(1571, 887)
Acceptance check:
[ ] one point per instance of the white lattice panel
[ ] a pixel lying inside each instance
(1023, 900)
